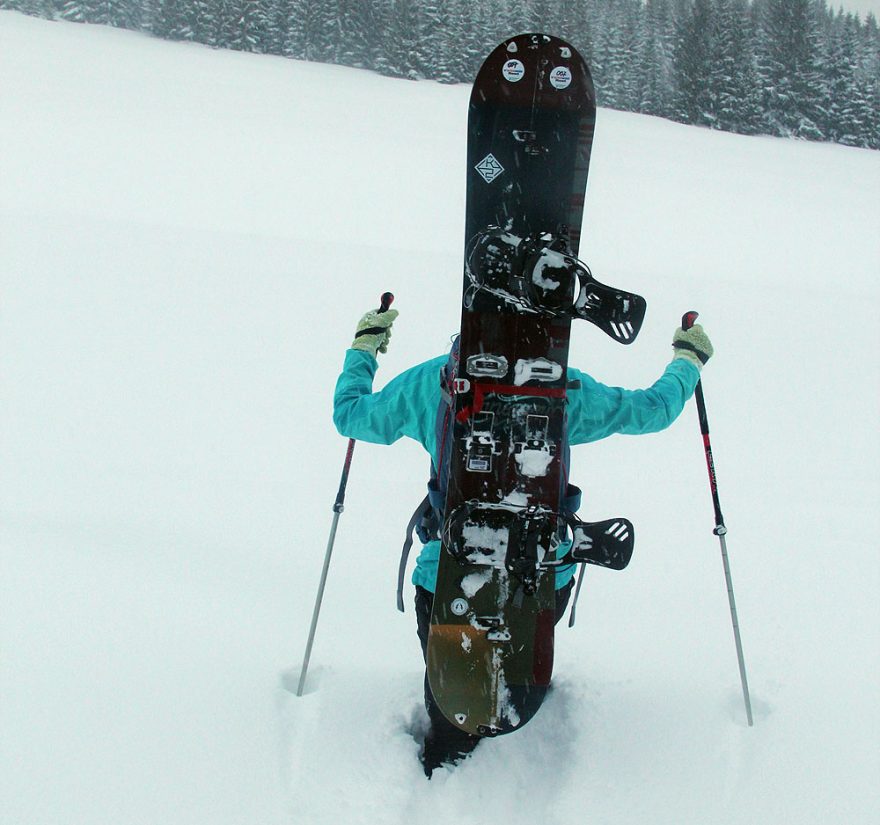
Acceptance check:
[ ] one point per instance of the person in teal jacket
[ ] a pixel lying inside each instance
(407, 406)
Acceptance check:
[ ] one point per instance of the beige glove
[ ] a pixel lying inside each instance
(374, 331)
(693, 345)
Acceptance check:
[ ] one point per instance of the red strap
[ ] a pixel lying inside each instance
(480, 391)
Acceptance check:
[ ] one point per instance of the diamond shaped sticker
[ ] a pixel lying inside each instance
(489, 168)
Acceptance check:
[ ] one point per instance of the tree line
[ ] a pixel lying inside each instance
(792, 68)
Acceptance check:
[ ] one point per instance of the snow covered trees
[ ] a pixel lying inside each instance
(782, 67)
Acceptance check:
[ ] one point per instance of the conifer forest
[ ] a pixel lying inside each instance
(793, 68)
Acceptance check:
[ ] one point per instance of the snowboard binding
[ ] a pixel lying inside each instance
(538, 274)
(523, 541)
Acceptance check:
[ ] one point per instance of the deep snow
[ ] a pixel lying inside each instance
(188, 239)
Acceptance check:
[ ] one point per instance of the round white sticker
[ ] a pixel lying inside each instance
(459, 607)
(513, 70)
(560, 77)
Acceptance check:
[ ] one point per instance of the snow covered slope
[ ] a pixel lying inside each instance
(188, 239)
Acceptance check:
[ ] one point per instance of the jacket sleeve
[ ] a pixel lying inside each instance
(596, 411)
(406, 406)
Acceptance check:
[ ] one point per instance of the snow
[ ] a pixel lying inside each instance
(472, 583)
(489, 544)
(534, 463)
(189, 238)
(549, 259)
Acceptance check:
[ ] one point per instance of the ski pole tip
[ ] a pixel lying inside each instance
(689, 319)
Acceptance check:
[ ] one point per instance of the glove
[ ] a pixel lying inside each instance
(373, 331)
(693, 345)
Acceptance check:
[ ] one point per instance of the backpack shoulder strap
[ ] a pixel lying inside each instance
(417, 516)
(427, 519)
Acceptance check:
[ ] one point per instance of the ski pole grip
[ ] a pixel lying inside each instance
(385, 301)
(689, 319)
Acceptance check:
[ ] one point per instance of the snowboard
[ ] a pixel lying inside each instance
(490, 645)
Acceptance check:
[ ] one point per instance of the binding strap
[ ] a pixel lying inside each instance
(481, 390)
(691, 348)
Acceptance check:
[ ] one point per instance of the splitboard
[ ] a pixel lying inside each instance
(530, 128)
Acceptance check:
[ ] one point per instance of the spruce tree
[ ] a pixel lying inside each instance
(733, 79)
(404, 45)
(792, 91)
(357, 34)
(74, 11)
(312, 35)
(693, 65)
(656, 50)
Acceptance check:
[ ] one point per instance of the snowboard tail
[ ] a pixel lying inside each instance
(490, 654)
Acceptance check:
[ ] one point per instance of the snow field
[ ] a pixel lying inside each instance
(189, 238)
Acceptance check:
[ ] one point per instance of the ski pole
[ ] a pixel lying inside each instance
(687, 321)
(338, 507)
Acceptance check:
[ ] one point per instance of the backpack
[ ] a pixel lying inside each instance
(427, 519)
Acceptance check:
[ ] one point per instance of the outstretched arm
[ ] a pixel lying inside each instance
(596, 410)
(406, 406)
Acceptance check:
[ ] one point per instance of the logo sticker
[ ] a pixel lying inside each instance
(489, 168)
(513, 70)
(459, 607)
(560, 77)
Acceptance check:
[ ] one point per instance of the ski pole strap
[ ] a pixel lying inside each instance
(385, 302)
(691, 348)
(371, 331)
(407, 546)
(481, 390)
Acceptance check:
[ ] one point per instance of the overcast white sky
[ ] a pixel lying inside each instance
(860, 6)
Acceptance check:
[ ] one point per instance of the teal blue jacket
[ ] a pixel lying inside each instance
(407, 406)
